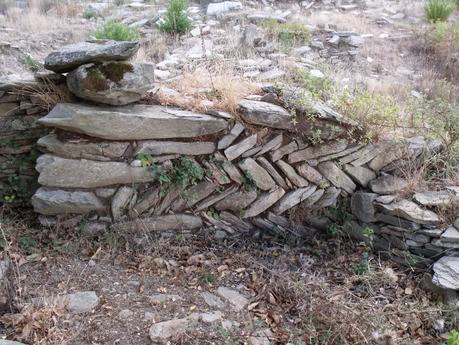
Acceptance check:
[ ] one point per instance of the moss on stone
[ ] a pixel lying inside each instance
(95, 80)
(115, 71)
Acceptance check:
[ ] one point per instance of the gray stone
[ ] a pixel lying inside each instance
(172, 194)
(252, 36)
(169, 147)
(336, 176)
(113, 82)
(264, 202)
(147, 201)
(77, 303)
(451, 234)
(436, 233)
(251, 152)
(362, 206)
(387, 184)
(163, 223)
(284, 150)
(213, 199)
(193, 195)
(265, 114)
(235, 298)
(273, 172)
(389, 155)
(105, 192)
(435, 198)
(161, 331)
(397, 221)
(83, 149)
(72, 173)
(238, 149)
(10, 342)
(120, 200)
(317, 151)
(261, 178)
(293, 198)
(217, 9)
(69, 57)
(446, 273)
(363, 152)
(237, 201)
(329, 197)
(456, 223)
(386, 199)
(163, 298)
(228, 139)
(261, 17)
(360, 174)
(271, 75)
(46, 201)
(291, 174)
(271, 145)
(218, 174)
(311, 174)
(133, 122)
(410, 211)
(211, 317)
(212, 300)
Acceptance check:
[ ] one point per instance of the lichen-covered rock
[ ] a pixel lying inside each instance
(49, 201)
(133, 122)
(410, 211)
(70, 57)
(75, 173)
(435, 198)
(113, 82)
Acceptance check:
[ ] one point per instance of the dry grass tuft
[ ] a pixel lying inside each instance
(210, 88)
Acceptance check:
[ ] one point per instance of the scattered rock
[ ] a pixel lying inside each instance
(252, 36)
(217, 9)
(446, 273)
(70, 57)
(133, 122)
(235, 298)
(163, 330)
(212, 300)
(125, 314)
(113, 82)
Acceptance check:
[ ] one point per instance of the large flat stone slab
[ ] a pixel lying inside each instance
(265, 114)
(75, 173)
(71, 56)
(48, 201)
(170, 147)
(435, 198)
(409, 210)
(133, 122)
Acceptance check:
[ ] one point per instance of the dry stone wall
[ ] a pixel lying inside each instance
(160, 168)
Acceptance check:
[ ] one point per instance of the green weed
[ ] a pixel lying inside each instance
(453, 338)
(176, 20)
(89, 12)
(113, 30)
(31, 63)
(438, 10)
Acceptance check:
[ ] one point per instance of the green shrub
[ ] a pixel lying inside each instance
(119, 2)
(113, 30)
(319, 87)
(438, 10)
(288, 34)
(453, 338)
(89, 12)
(176, 20)
(31, 63)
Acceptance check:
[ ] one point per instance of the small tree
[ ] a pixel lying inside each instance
(176, 20)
